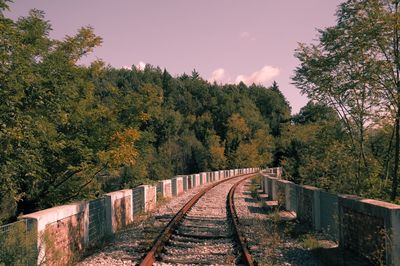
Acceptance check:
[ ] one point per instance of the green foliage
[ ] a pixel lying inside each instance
(18, 245)
(69, 132)
(353, 69)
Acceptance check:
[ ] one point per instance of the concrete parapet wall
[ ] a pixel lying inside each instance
(74, 227)
(370, 228)
(164, 188)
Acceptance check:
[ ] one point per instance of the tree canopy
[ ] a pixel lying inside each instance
(354, 69)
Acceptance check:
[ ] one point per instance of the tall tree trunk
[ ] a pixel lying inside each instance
(396, 156)
(397, 120)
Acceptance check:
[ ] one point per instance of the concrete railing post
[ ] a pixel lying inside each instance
(164, 187)
(367, 225)
(64, 227)
(177, 185)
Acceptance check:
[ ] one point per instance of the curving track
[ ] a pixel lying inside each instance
(205, 231)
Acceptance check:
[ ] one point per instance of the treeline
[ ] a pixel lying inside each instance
(69, 132)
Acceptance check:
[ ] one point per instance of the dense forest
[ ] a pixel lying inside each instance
(69, 131)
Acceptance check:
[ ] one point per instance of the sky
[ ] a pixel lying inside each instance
(226, 41)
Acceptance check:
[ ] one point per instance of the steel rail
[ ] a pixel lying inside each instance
(247, 260)
(165, 235)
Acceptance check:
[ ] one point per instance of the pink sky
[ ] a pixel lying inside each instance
(224, 40)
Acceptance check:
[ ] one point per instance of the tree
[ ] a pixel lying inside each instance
(354, 69)
(314, 113)
(217, 158)
(237, 132)
(41, 86)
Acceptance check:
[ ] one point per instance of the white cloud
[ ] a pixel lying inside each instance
(141, 65)
(261, 76)
(218, 75)
(265, 74)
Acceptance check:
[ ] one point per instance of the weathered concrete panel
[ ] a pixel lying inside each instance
(203, 178)
(272, 185)
(308, 207)
(285, 196)
(190, 181)
(196, 180)
(269, 187)
(66, 227)
(264, 181)
(370, 228)
(121, 208)
(151, 198)
(144, 198)
(138, 201)
(216, 175)
(100, 223)
(280, 186)
(185, 180)
(329, 214)
(221, 174)
(67, 236)
(291, 199)
(209, 177)
(177, 186)
(164, 188)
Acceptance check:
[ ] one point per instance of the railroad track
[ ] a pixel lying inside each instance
(205, 231)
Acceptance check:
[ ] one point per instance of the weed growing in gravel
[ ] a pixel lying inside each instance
(254, 186)
(310, 242)
(230, 259)
(265, 241)
(268, 234)
(161, 200)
